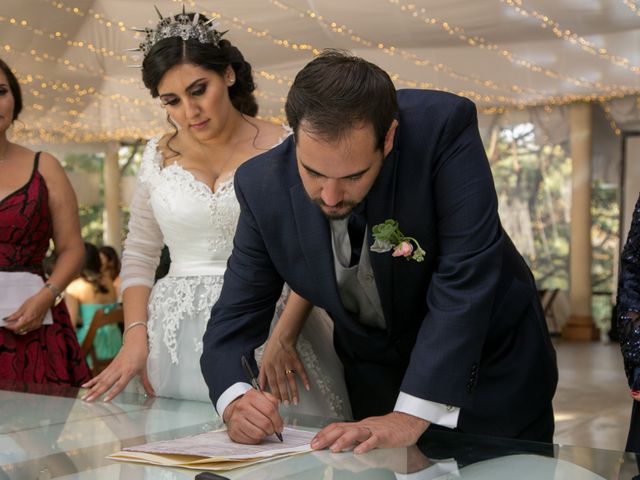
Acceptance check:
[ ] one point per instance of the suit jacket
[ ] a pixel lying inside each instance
(463, 328)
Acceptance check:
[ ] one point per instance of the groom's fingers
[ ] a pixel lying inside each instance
(339, 437)
(254, 416)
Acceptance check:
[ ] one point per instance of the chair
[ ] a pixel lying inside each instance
(100, 319)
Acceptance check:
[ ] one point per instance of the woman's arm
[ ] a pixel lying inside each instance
(280, 360)
(69, 248)
(139, 261)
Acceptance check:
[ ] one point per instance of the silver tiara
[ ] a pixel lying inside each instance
(179, 26)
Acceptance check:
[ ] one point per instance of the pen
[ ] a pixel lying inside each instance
(254, 383)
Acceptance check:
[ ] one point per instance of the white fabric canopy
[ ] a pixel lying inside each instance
(70, 54)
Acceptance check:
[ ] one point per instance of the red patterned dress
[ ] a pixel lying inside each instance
(49, 354)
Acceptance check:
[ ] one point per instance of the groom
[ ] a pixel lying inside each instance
(456, 338)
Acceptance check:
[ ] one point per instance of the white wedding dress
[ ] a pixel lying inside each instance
(170, 206)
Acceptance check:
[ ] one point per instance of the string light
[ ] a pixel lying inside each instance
(612, 91)
(572, 37)
(609, 116)
(74, 105)
(632, 6)
(479, 42)
(64, 37)
(351, 34)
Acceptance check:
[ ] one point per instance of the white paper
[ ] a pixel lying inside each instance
(217, 445)
(15, 288)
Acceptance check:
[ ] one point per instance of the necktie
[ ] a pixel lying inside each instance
(356, 227)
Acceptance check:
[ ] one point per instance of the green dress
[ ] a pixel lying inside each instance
(108, 339)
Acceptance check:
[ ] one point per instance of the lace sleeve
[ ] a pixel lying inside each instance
(144, 241)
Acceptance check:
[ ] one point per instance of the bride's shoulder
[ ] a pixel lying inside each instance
(152, 158)
(157, 151)
(273, 133)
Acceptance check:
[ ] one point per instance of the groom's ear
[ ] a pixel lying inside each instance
(389, 137)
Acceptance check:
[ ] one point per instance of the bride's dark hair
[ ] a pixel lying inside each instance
(172, 51)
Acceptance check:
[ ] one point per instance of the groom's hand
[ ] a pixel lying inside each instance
(396, 429)
(252, 417)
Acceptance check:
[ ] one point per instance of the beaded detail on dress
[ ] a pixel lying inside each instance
(628, 302)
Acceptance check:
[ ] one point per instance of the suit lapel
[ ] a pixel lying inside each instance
(314, 236)
(380, 207)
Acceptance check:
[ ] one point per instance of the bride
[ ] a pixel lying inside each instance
(184, 198)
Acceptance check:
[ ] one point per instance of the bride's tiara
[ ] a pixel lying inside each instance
(182, 26)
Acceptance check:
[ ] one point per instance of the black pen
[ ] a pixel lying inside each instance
(254, 383)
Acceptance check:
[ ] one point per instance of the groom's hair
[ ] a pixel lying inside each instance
(338, 91)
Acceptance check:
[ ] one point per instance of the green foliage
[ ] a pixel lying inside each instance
(533, 185)
(92, 216)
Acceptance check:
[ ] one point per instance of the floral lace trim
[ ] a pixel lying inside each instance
(178, 299)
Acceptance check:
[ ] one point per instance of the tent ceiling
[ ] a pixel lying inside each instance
(71, 60)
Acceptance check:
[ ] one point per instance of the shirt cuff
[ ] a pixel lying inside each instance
(229, 395)
(436, 471)
(445, 415)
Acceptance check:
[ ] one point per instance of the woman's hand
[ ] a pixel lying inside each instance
(31, 313)
(280, 365)
(130, 361)
(635, 395)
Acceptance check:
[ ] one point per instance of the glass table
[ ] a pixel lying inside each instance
(47, 432)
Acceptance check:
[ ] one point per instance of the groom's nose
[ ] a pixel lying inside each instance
(332, 193)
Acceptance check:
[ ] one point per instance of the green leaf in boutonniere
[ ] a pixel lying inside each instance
(387, 236)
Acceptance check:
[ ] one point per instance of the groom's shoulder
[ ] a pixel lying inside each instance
(271, 169)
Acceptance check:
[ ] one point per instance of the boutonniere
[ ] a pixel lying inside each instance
(387, 236)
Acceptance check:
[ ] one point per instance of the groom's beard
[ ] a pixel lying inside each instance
(349, 205)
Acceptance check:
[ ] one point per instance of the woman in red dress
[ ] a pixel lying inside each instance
(37, 204)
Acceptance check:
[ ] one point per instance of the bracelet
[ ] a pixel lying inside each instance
(57, 294)
(134, 324)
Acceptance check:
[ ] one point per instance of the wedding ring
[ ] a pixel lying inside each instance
(22, 331)
(289, 371)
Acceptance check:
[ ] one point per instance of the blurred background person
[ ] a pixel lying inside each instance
(37, 204)
(93, 290)
(111, 266)
(628, 308)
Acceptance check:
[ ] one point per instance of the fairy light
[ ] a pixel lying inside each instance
(502, 52)
(609, 116)
(632, 6)
(351, 34)
(41, 57)
(64, 37)
(572, 37)
(77, 106)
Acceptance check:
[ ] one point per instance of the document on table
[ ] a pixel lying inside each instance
(215, 451)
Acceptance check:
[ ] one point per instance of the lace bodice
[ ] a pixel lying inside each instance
(170, 206)
(196, 224)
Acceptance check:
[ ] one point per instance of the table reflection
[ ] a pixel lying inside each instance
(47, 432)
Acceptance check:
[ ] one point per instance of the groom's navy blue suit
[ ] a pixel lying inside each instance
(463, 328)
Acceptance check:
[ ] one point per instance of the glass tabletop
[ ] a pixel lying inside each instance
(47, 432)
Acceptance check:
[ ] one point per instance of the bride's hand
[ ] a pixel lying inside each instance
(280, 366)
(130, 361)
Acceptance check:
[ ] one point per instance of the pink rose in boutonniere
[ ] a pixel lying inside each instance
(387, 236)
